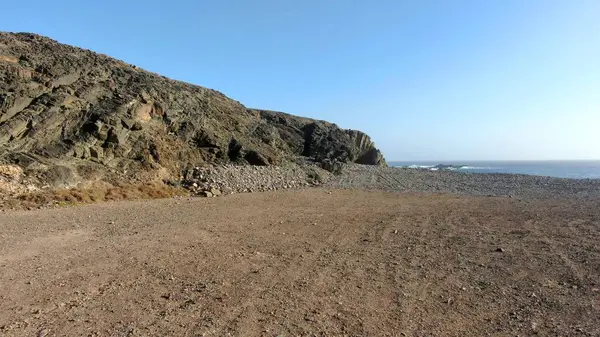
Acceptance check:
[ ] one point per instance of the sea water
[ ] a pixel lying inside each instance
(575, 169)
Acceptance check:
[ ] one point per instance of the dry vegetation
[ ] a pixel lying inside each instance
(99, 192)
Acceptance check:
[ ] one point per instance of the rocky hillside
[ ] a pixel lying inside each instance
(66, 111)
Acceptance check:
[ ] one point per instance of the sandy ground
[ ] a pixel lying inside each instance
(303, 263)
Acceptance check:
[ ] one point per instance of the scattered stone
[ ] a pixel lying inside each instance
(534, 326)
(215, 192)
(230, 179)
(500, 250)
(43, 332)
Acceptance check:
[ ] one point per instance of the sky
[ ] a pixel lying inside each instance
(427, 80)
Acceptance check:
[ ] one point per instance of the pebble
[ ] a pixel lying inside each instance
(230, 179)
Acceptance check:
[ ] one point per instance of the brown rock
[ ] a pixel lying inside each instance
(69, 106)
(9, 59)
(96, 152)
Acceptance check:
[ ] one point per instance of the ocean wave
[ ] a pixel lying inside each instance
(420, 166)
(476, 168)
(447, 167)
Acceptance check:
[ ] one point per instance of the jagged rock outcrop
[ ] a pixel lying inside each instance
(62, 105)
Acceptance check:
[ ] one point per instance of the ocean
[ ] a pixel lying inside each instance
(574, 169)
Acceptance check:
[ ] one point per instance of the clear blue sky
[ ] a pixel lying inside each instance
(438, 80)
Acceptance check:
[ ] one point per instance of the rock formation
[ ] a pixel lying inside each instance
(96, 116)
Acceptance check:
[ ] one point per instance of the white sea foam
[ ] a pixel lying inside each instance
(448, 168)
(420, 166)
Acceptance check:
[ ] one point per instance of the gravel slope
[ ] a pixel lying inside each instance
(491, 184)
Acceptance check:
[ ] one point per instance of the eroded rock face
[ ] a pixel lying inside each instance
(61, 104)
(321, 140)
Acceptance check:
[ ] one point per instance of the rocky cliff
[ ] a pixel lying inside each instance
(62, 106)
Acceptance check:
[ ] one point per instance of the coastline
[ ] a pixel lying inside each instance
(572, 169)
(398, 179)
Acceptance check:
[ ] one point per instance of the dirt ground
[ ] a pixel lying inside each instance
(303, 263)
